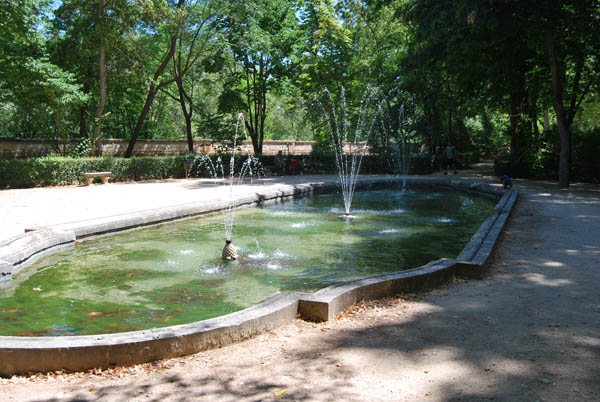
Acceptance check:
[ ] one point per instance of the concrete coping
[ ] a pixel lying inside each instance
(75, 353)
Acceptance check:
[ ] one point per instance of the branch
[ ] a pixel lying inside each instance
(170, 95)
(574, 110)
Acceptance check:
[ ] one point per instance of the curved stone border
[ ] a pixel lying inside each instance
(75, 353)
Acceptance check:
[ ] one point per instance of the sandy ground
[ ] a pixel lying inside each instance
(529, 331)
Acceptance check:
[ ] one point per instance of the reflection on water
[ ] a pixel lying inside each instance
(173, 274)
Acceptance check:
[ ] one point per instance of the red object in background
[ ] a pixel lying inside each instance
(293, 164)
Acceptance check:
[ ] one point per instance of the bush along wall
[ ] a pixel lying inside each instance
(57, 171)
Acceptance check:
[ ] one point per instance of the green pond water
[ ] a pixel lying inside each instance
(173, 274)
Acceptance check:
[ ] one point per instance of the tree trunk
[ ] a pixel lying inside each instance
(561, 117)
(188, 129)
(187, 114)
(83, 115)
(516, 115)
(154, 89)
(450, 125)
(546, 119)
(253, 136)
(102, 77)
(140, 122)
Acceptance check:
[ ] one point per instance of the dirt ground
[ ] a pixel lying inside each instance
(528, 331)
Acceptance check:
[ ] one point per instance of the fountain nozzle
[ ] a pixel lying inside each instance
(229, 251)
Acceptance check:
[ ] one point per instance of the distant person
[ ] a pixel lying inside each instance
(506, 182)
(450, 157)
(280, 163)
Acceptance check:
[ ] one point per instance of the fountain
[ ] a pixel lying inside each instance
(402, 156)
(250, 166)
(173, 274)
(348, 163)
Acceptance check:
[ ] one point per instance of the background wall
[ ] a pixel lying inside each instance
(22, 148)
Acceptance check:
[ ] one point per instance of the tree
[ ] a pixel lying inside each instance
(101, 79)
(572, 34)
(28, 79)
(200, 31)
(261, 36)
(174, 22)
(484, 52)
(89, 53)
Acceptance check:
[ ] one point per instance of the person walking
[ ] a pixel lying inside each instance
(450, 157)
(280, 162)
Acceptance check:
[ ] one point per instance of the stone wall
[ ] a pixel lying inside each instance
(22, 148)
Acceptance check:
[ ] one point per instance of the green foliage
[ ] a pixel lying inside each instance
(261, 37)
(59, 171)
(324, 162)
(475, 72)
(542, 161)
(586, 166)
(31, 85)
(54, 171)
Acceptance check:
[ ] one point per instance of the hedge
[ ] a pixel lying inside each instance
(325, 163)
(55, 171)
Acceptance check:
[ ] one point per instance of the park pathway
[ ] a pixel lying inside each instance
(528, 331)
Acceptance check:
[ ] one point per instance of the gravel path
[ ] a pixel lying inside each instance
(529, 331)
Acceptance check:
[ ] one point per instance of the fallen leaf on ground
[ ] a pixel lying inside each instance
(280, 393)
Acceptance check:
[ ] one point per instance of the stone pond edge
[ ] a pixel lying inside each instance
(77, 353)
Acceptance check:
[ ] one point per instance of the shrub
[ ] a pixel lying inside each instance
(55, 171)
(543, 163)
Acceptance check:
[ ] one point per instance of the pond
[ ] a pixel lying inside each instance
(173, 274)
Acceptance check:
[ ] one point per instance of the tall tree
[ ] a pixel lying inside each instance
(572, 36)
(171, 21)
(101, 80)
(85, 39)
(175, 22)
(261, 36)
(483, 50)
(200, 31)
(29, 80)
